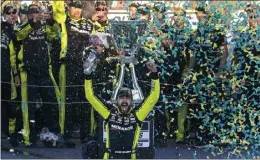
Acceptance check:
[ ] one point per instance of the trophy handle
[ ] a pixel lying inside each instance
(120, 82)
(135, 84)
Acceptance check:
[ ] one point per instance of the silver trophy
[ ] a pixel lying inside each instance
(126, 37)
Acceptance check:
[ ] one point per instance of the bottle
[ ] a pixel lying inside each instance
(89, 64)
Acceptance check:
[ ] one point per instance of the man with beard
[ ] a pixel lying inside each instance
(123, 123)
(74, 38)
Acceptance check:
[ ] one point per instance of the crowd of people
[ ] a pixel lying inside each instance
(200, 97)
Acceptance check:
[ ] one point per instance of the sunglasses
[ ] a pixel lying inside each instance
(101, 9)
(14, 12)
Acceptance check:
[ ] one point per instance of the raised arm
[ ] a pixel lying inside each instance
(94, 101)
(59, 13)
(23, 31)
(52, 31)
(152, 99)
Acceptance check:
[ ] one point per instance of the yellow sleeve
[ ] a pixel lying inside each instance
(23, 32)
(94, 101)
(59, 15)
(64, 40)
(52, 31)
(150, 101)
(20, 58)
(59, 12)
(13, 57)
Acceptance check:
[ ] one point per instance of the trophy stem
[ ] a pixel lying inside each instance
(135, 85)
(120, 81)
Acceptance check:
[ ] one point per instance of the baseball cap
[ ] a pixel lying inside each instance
(6, 6)
(76, 4)
(124, 92)
(33, 8)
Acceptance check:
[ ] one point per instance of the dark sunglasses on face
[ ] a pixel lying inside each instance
(14, 12)
(101, 9)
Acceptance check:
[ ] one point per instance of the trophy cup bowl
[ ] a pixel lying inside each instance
(126, 37)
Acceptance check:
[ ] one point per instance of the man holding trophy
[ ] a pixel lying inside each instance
(128, 108)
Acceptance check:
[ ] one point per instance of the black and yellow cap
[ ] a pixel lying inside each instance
(76, 4)
(6, 6)
(124, 92)
(34, 8)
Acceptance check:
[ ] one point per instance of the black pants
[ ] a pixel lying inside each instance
(49, 108)
(5, 105)
(15, 110)
(77, 111)
(160, 120)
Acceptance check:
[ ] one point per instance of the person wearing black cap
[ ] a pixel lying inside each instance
(35, 69)
(8, 63)
(74, 38)
(100, 19)
(123, 122)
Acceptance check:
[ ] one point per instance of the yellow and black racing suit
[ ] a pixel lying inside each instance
(123, 130)
(36, 72)
(8, 69)
(101, 27)
(74, 38)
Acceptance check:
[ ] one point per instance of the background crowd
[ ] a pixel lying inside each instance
(209, 80)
